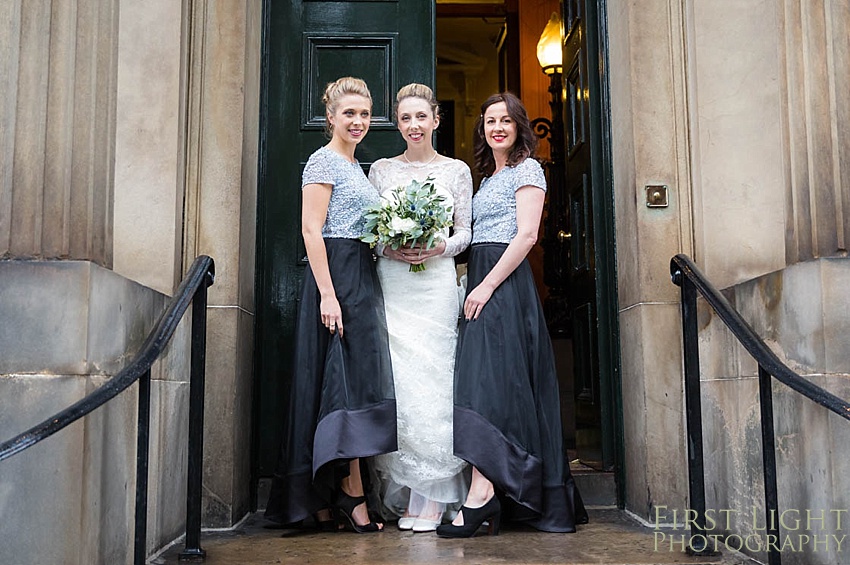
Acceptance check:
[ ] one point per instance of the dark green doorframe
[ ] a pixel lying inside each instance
(603, 219)
(260, 243)
(606, 255)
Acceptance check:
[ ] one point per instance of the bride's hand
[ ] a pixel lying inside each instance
(418, 255)
(396, 254)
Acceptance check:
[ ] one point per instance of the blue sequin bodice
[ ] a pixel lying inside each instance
(352, 192)
(494, 205)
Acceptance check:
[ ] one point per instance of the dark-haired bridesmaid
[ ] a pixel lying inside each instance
(507, 419)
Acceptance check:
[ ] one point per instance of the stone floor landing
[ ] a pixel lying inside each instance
(611, 537)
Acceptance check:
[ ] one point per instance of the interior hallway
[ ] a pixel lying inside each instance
(611, 537)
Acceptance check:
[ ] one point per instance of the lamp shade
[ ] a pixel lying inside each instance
(549, 52)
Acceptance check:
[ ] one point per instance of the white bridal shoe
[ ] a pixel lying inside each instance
(424, 525)
(419, 506)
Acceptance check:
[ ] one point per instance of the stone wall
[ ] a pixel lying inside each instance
(133, 131)
(72, 325)
(150, 143)
(737, 108)
(57, 129)
(801, 311)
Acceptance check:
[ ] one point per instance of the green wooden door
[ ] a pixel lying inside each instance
(590, 244)
(306, 44)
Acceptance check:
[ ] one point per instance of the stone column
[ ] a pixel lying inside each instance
(186, 170)
(221, 192)
(149, 144)
(650, 146)
(57, 129)
(814, 78)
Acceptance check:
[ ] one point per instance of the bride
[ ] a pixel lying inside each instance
(423, 478)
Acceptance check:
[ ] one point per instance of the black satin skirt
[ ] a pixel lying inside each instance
(507, 417)
(342, 403)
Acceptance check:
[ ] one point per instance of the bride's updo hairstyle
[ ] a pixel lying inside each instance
(416, 90)
(336, 90)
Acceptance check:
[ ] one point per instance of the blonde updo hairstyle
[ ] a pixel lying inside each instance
(416, 90)
(336, 90)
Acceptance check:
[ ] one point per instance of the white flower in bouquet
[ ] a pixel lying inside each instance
(412, 215)
(401, 226)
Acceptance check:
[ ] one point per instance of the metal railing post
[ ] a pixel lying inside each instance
(193, 288)
(768, 455)
(687, 275)
(192, 550)
(142, 454)
(698, 544)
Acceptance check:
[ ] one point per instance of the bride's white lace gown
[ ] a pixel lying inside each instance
(422, 314)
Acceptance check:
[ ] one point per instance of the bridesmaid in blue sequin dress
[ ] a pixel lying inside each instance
(507, 420)
(342, 398)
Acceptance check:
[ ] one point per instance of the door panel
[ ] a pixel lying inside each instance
(575, 101)
(582, 104)
(308, 43)
(327, 57)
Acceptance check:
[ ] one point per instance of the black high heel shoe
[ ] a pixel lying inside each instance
(345, 505)
(472, 520)
(329, 525)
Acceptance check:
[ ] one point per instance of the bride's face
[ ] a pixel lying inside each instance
(416, 121)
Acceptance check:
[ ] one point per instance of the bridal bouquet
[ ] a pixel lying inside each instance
(408, 216)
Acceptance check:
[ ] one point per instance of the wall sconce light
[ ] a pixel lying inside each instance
(549, 52)
(550, 56)
(556, 241)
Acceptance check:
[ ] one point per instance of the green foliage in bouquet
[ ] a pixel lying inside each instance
(410, 216)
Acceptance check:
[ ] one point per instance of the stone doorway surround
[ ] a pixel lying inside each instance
(186, 184)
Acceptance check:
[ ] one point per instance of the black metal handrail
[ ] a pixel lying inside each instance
(686, 275)
(192, 290)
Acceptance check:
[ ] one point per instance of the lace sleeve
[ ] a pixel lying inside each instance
(462, 190)
(376, 178)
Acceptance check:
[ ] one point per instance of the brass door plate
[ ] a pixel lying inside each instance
(656, 195)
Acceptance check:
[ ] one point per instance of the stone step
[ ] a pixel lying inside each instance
(597, 488)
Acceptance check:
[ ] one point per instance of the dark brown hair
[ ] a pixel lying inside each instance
(524, 146)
